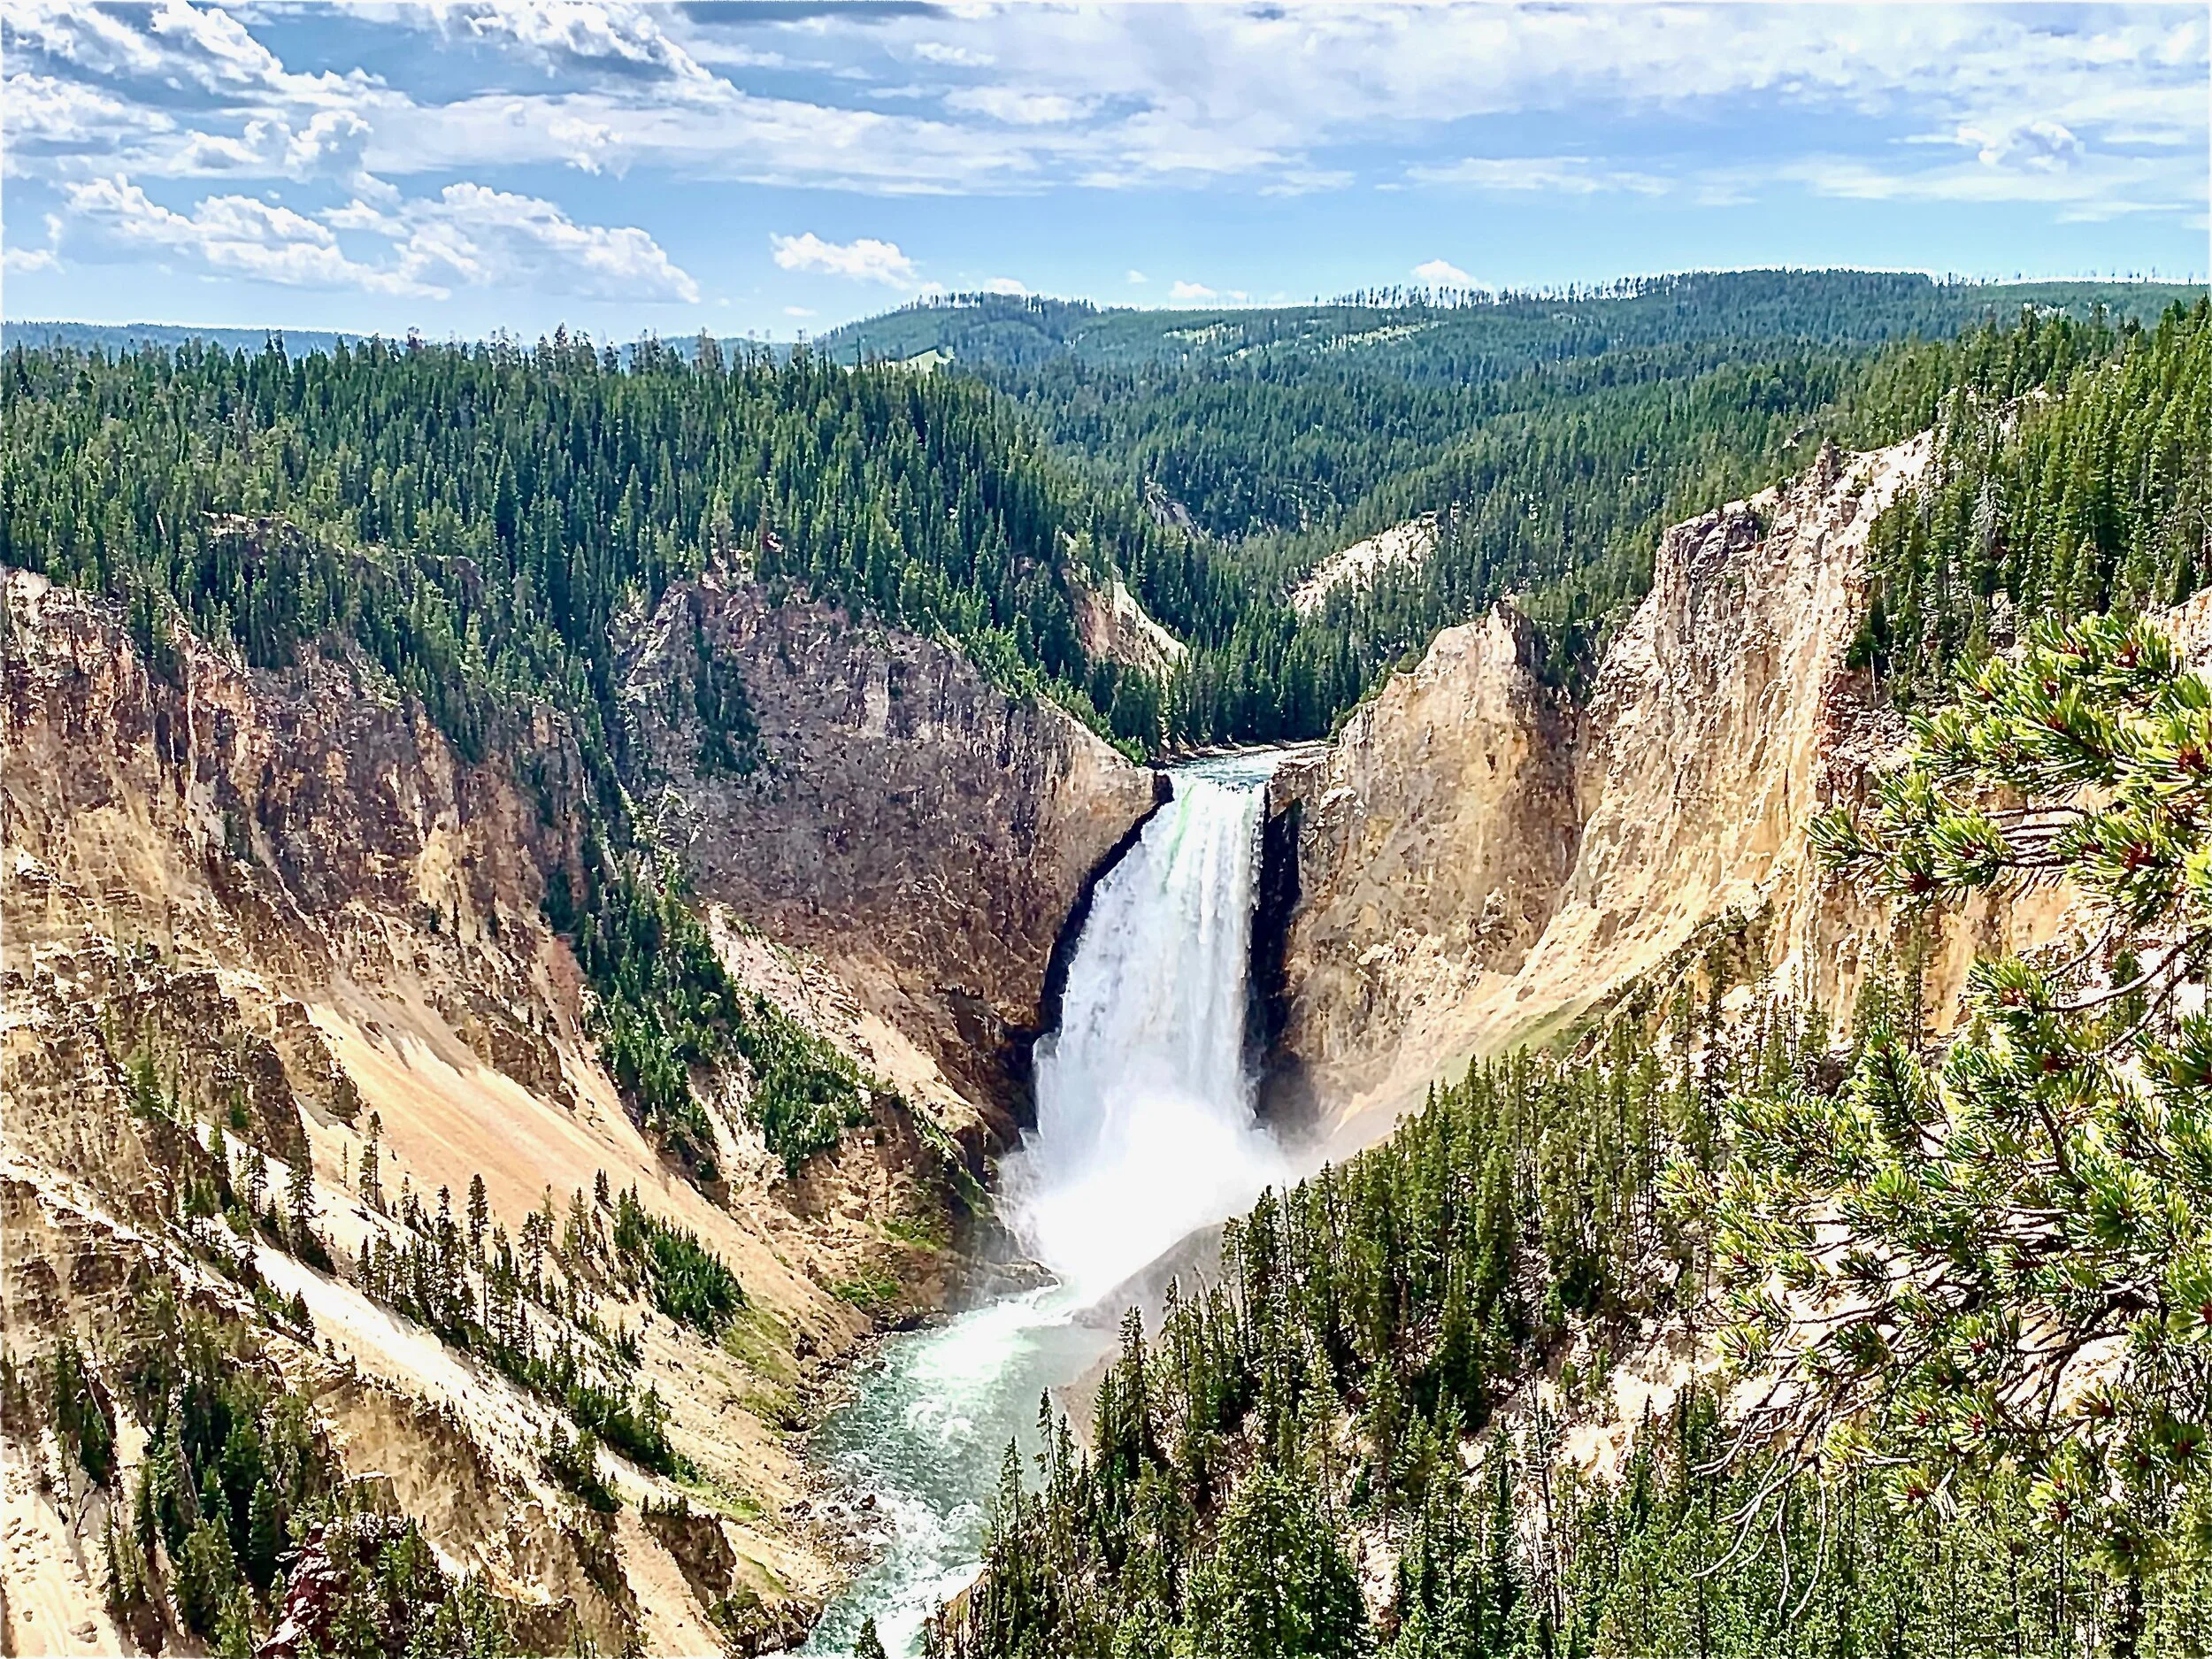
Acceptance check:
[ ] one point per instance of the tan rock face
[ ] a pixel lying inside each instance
(1115, 627)
(1556, 857)
(1435, 836)
(922, 832)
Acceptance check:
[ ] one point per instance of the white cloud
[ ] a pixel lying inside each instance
(330, 145)
(798, 311)
(950, 57)
(1016, 108)
(1192, 291)
(240, 235)
(49, 114)
(1443, 273)
(485, 234)
(2036, 146)
(1560, 176)
(626, 39)
(1004, 284)
(466, 236)
(1137, 276)
(2094, 188)
(23, 259)
(864, 260)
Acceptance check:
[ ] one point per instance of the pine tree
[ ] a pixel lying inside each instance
(1997, 1258)
(299, 1209)
(480, 1212)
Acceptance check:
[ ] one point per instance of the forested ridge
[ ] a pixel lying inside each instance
(2072, 478)
(1448, 337)
(480, 525)
(1557, 496)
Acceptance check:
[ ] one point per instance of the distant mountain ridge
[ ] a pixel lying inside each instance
(1421, 338)
(113, 337)
(1478, 338)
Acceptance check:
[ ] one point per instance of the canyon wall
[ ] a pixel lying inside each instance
(923, 833)
(279, 902)
(1479, 866)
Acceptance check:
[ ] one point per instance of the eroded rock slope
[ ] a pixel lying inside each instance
(269, 924)
(1478, 865)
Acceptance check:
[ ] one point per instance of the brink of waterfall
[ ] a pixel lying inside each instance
(1145, 1129)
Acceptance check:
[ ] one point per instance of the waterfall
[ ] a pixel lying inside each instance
(1145, 1133)
(1145, 1124)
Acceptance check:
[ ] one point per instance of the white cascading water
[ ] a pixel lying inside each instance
(1145, 1126)
(1145, 1133)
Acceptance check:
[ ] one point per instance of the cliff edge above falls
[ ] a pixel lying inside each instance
(1478, 865)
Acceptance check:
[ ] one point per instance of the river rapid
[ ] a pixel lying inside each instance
(1145, 1132)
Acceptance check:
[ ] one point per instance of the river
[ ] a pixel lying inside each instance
(1145, 1133)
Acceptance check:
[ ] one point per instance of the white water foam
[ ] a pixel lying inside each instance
(1145, 1124)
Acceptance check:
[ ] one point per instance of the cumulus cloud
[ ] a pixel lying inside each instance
(578, 34)
(1004, 284)
(1137, 276)
(1443, 273)
(465, 236)
(483, 234)
(2035, 146)
(23, 260)
(330, 145)
(864, 260)
(52, 116)
(240, 235)
(1193, 292)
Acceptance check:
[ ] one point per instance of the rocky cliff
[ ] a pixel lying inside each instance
(1479, 865)
(925, 834)
(272, 920)
(1434, 839)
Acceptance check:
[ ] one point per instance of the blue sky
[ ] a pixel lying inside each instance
(472, 164)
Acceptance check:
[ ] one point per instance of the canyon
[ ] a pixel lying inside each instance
(1480, 864)
(287, 899)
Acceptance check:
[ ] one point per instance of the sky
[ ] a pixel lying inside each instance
(468, 167)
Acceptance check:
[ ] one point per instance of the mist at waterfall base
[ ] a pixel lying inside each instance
(1145, 1129)
(1145, 1134)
